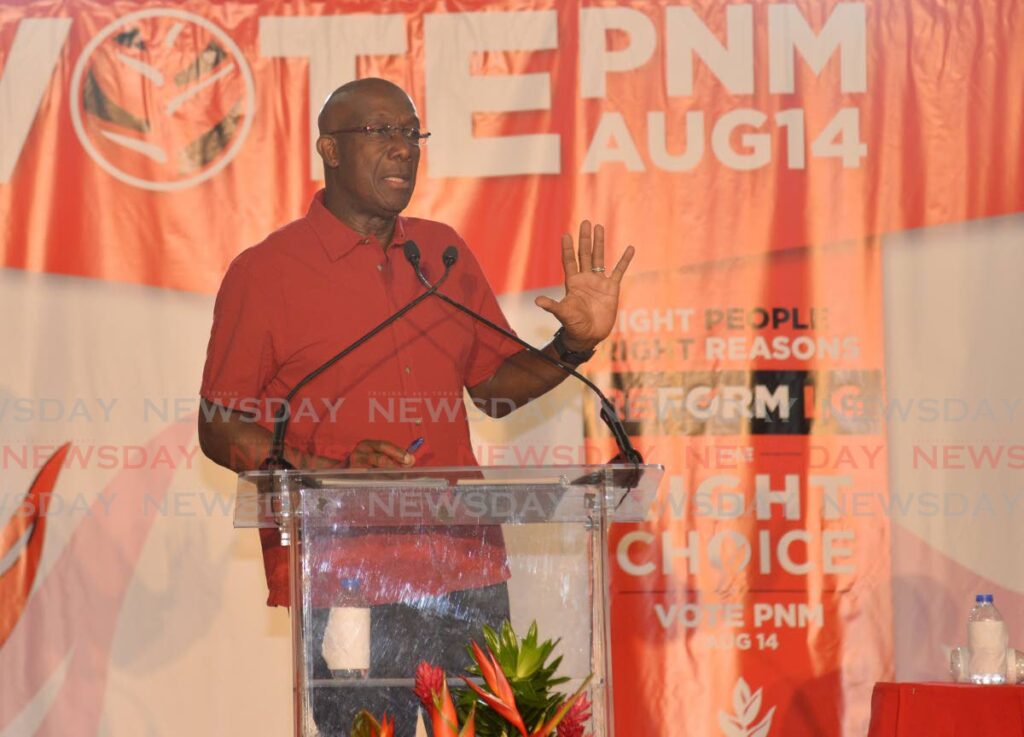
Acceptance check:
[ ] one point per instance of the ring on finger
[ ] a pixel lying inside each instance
(597, 269)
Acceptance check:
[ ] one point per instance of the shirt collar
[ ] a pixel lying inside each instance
(337, 238)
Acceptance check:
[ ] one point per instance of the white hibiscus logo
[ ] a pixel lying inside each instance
(162, 99)
(746, 707)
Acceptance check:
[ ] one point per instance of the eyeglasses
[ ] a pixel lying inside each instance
(383, 132)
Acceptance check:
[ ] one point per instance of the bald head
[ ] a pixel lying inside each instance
(369, 163)
(347, 103)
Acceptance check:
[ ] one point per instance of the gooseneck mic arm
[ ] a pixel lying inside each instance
(275, 460)
(627, 452)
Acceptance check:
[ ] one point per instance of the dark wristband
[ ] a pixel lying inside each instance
(565, 354)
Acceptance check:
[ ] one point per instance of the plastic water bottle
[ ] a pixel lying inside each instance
(987, 640)
(346, 646)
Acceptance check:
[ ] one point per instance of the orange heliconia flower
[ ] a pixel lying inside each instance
(366, 725)
(432, 689)
(502, 699)
(387, 728)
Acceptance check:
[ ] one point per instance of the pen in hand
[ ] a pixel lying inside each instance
(415, 445)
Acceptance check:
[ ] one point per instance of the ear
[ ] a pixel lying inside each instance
(327, 147)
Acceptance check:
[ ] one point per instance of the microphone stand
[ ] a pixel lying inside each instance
(627, 453)
(275, 460)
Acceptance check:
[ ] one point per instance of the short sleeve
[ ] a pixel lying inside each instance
(490, 348)
(240, 359)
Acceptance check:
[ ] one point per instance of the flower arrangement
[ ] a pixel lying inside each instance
(366, 726)
(517, 698)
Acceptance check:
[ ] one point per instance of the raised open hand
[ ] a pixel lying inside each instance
(591, 301)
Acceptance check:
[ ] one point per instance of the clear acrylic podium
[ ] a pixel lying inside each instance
(357, 539)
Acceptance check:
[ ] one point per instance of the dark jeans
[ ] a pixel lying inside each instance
(436, 629)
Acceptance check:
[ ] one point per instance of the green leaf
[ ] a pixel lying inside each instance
(531, 669)
(364, 725)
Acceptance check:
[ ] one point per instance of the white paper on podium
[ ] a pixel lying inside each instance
(346, 644)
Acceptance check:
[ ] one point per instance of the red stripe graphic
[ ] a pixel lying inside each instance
(16, 582)
(73, 614)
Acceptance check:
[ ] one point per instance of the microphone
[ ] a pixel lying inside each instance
(275, 460)
(412, 255)
(627, 453)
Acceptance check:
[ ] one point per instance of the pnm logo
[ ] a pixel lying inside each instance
(162, 99)
(746, 707)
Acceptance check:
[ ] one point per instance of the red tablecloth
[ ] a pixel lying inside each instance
(946, 710)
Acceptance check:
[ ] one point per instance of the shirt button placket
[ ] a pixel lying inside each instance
(398, 336)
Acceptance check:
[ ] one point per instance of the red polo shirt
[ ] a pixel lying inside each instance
(313, 287)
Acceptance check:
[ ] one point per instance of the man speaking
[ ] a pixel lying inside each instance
(289, 303)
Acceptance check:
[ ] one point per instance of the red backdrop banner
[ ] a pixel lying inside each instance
(699, 131)
(754, 153)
